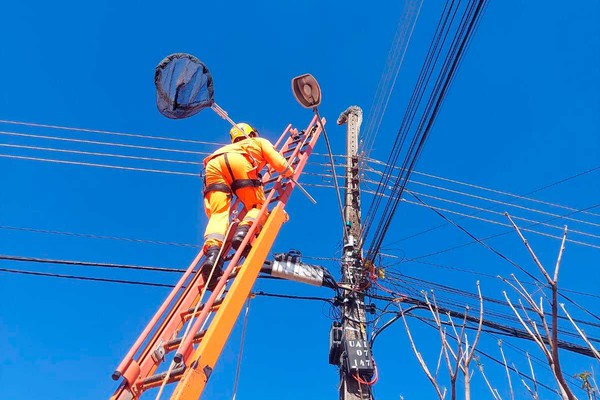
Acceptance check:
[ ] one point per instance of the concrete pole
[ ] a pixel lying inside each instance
(355, 358)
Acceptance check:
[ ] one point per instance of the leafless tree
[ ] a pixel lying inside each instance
(547, 338)
(456, 356)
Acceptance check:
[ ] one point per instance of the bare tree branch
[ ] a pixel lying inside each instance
(494, 392)
(531, 392)
(551, 333)
(535, 389)
(581, 333)
(512, 394)
(441, 394)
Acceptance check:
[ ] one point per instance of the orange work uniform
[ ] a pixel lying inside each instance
(234, 169)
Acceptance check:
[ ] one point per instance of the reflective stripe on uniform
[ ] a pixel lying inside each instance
(214, 236)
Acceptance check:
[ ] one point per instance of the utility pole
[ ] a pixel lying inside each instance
(349, 347)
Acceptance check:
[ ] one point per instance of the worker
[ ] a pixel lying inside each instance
(234, 169)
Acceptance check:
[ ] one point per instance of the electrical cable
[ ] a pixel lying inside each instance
(90, 153)
(400, 45)
(239, 361)
(474, 216)
(67, 128)
(94, 236)
(514, 332)
(499, 254)
(88, 264)
(85, 278)
(96, 142)
(289, 296)
(466, 294)
(521, 197)
(501, 192)
(175, 172)
(433, 106)
(525, 228)
(97, 165)
(417, 94)
(337, 189)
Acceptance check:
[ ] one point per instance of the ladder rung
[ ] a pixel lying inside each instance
(289, 151)
(189, 312)
(268, 181)
(156, 380)
(282, 188)
(298, 140)
(172, 344)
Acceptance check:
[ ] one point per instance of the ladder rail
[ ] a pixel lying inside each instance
(121, 369)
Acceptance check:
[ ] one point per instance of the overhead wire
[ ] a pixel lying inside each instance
(464, 294)
(395, 60)
(559, 216)
(448, 69)
(87, 130)
(371, 169)
(481, 274)
(372, 160)
(473, 216)
(504, 193)
(95, 236)
(502, 224)
(502, 203)
(397, 146)
(91, 153)
(88, 164)
(515, 332)
(482, 209)
(242, 340)
(335, 181)
(197, 163)
(503, 256)
(166, 285)
(86, 278)
(88, 264)
(169, 172)
(102, 143)
(526, 227)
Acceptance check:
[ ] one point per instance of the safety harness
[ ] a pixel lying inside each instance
(235, 183)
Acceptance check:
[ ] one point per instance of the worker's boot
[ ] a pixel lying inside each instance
(209, 261)
(238, 237)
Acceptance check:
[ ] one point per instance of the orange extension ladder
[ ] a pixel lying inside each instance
(209, 324)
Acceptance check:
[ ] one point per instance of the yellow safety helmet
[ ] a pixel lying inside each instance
(241, 131)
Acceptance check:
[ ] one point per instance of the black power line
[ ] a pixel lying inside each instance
(511, 331)
(86, 278)
(88, 264)
(440, 89)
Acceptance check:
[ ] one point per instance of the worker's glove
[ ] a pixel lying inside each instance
(288, 172)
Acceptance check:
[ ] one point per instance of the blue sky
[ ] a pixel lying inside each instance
(522, 113)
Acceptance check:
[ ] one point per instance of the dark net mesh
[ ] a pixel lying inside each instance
(183, 86)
